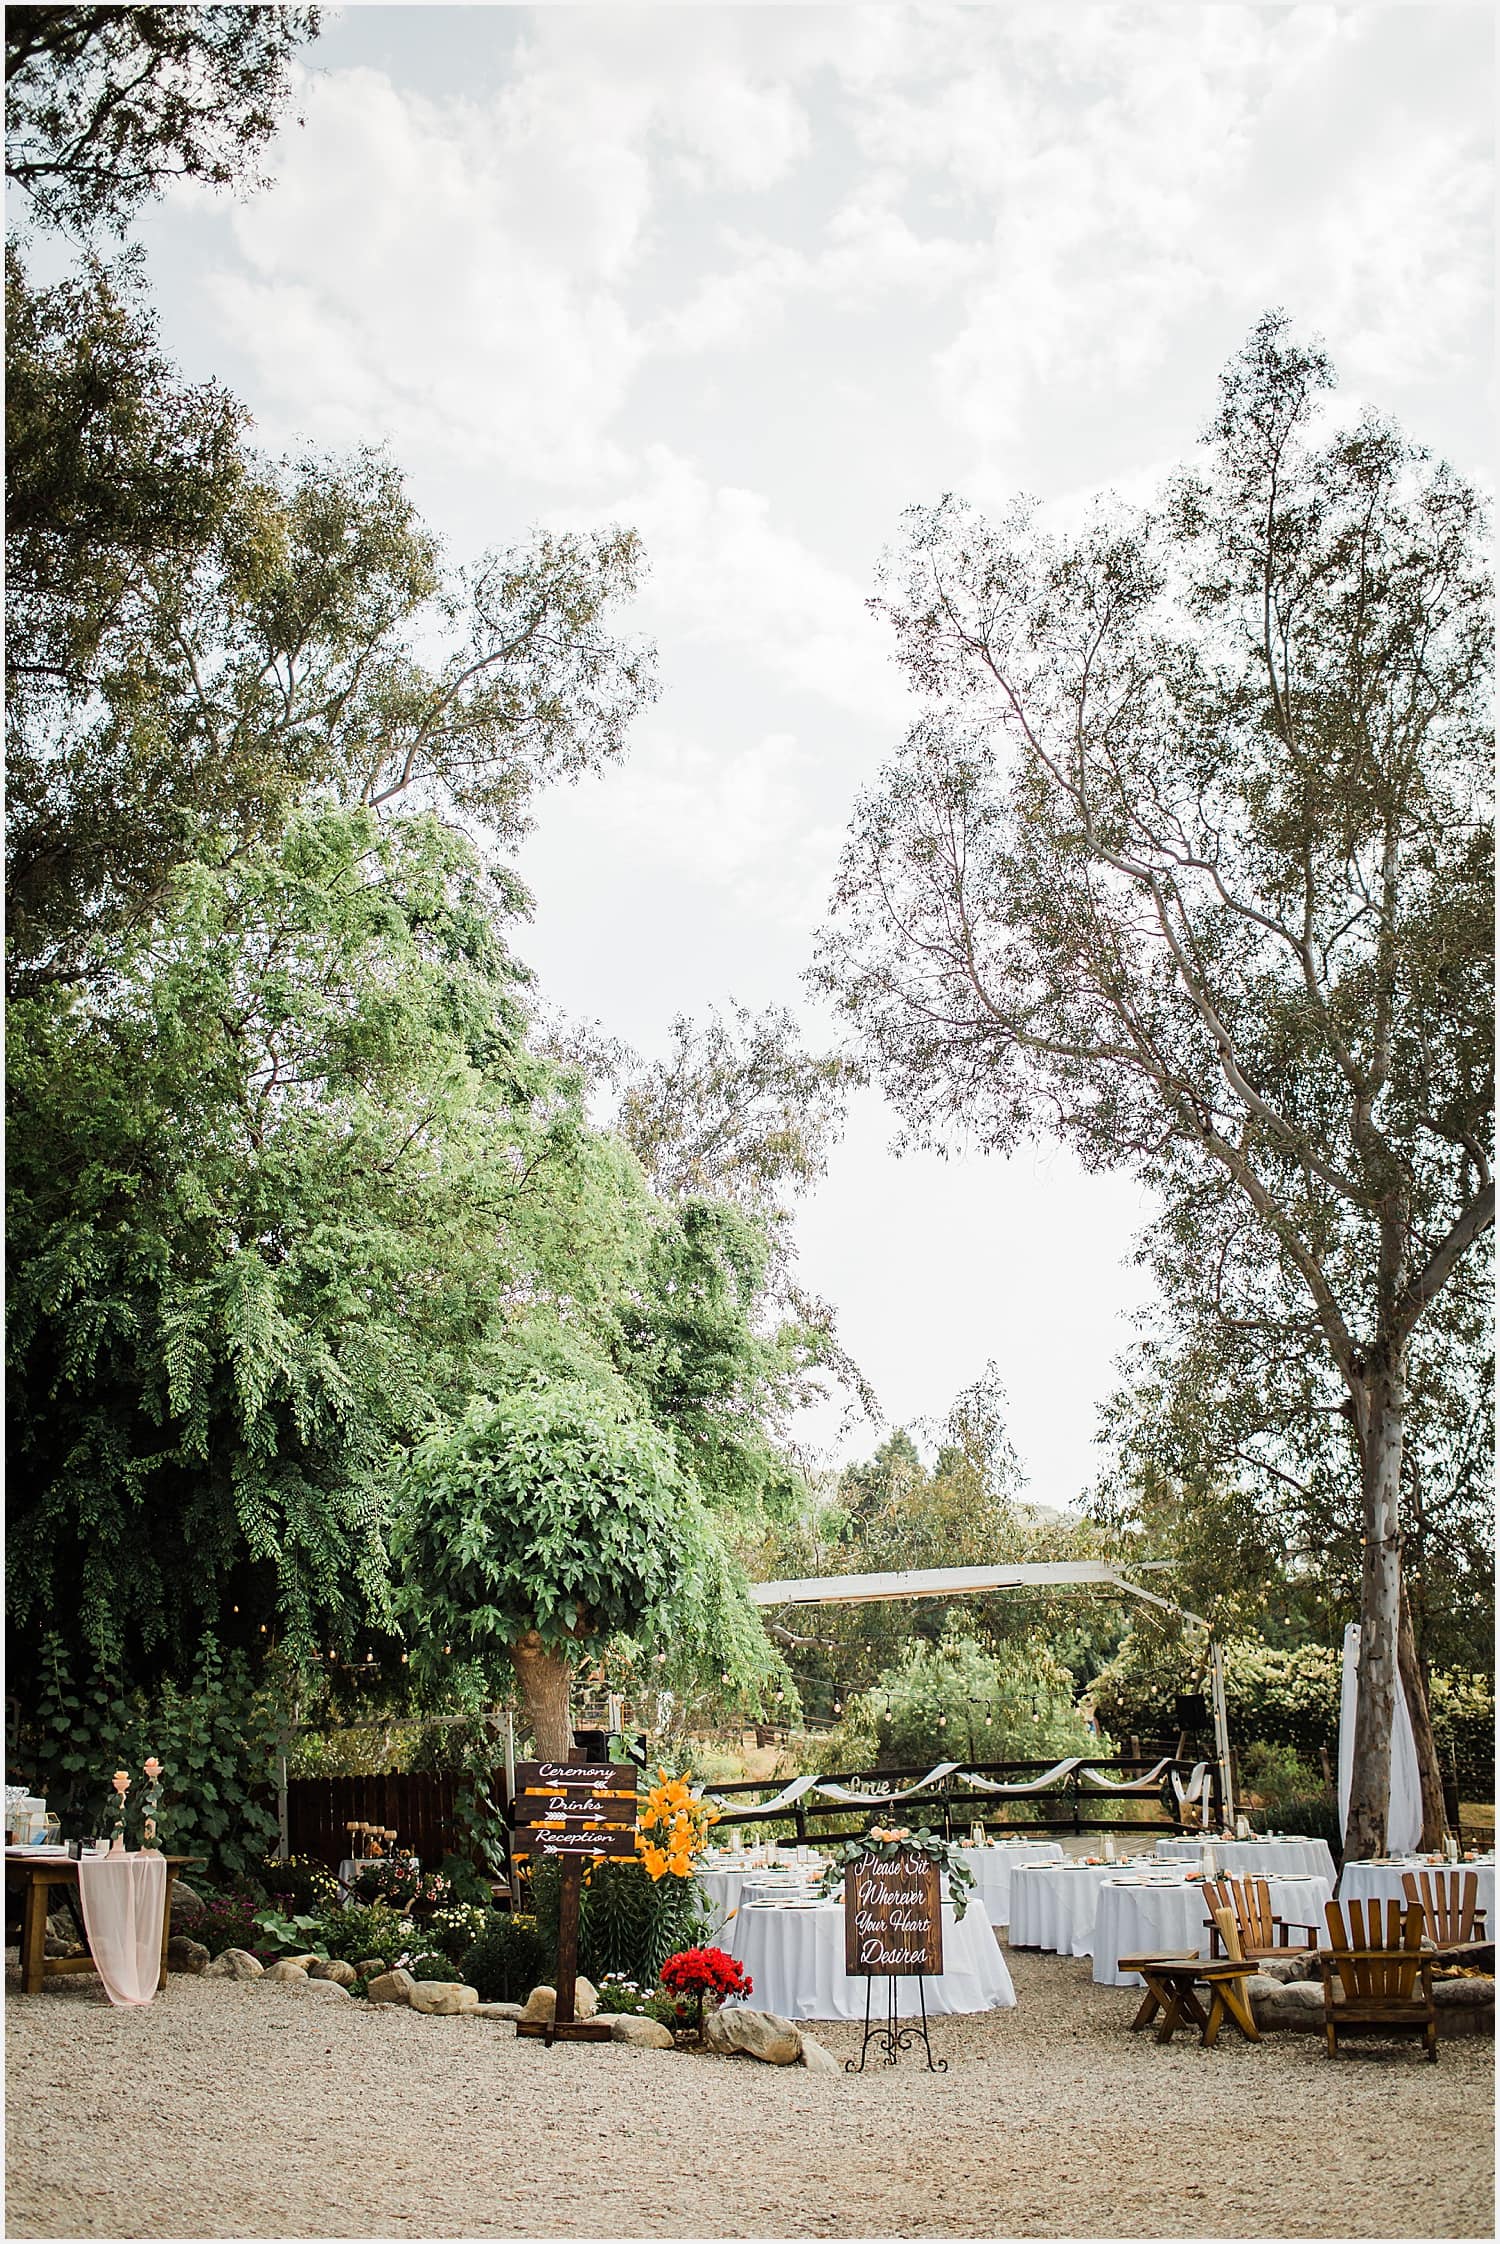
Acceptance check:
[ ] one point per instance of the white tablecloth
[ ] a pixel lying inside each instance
(795, 1958)
(1055, 1908)
(1256, 1858)
(723, 1885)
(124, 1899)
(1381, 1881)
(992, 1868)
(1137, 1920)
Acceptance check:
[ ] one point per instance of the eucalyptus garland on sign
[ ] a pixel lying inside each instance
(888, 1842)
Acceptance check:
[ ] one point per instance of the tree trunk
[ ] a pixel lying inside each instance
(1380, 1407)
(545, 1678)
(1413, 1683)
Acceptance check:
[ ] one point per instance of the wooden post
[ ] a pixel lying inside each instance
(567, 1939)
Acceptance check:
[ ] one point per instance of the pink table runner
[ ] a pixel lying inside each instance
(124, 1898)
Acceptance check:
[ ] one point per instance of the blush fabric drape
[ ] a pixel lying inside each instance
(124, 1898)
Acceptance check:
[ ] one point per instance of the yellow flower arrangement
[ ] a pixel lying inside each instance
(681, 1823)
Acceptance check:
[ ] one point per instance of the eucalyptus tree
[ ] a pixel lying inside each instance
(1190, 861)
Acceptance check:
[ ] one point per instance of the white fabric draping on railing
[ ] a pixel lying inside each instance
(1034, 1784)
(794, 1791)
(1194, 1788)
(846, 1798)
(1150, 1782)
(124, 1899)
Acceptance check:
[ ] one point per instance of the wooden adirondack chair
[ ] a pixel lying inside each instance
(1370, 1974)
(1449, 1902)
(1248, 1902)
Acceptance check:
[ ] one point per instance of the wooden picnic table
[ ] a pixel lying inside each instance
(41, 1874)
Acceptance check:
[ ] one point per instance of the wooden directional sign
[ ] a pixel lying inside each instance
(893, 1917)
(574, 1808)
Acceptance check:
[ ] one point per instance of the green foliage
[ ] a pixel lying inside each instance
(229, 1921)
(365, 1928)
(292, 1935)
(455, 1929)
(1278, 1773)
(958, 1701)
(1312, 1815)
(301, 1885)
(509, 1958)
(106, 107)
(426, 1963)
(263, 1200)
(630, 1924)
(1289, 1699)
(212, 1734)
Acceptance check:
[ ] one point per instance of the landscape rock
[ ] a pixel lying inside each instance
(60, 1926)
(1463, 2006)
(391, 1986)
(187, 1906)
(184, 1954)
(285, 1970)
(53, 1946)
(335, 1968)
(310, 1986)
(1300, 1964)
(442, 1998)
(234, 1963)
(1296, 2006)
(504, 2010)
(816, 2058)
(752, 2033)
(540, 2005)
(369, 1967)
(303, 1963)
(640, 2033)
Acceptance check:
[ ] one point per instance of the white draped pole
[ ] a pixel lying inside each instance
(1403, 1814)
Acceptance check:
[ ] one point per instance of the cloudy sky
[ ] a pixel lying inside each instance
(754, 279)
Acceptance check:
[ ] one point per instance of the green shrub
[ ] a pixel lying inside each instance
(1278, 1773)
(299, 1885)
(509, 1958)
(454, 1930)
(365, 1928)
(626, 1922)
(426, 1963)
(228, 1921)
(959, 1701)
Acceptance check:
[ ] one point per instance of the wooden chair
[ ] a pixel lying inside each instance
(1261, 1931)
(1449, 1902)
(1172, 1984)
(1370, 1974)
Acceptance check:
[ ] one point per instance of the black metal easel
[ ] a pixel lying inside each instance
(893, 2036)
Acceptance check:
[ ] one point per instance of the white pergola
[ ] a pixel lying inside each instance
(973, 1581)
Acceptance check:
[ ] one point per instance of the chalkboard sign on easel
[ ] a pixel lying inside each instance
(893, 1930)
(572, 1813)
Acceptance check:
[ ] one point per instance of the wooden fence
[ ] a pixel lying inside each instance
(418, 1808)
(1067, 1805)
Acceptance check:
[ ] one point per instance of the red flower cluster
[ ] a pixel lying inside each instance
(705, 1971)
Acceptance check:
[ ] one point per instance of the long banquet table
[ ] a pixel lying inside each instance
(1381, 1881)
(1256, 1858)
(795, 1958)
(1139, 1917)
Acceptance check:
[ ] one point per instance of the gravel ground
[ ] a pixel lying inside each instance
(255, 2111)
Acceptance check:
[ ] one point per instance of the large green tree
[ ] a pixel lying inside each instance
(270, 1188)
(1191, 862)
(105, 106)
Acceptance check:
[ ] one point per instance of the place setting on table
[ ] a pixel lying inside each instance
(1143, 1910)
(991, 1863)
(1384, 1879)
(1254, 1854)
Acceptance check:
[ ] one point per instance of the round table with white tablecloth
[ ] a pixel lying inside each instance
(724, 1884)
(795, 1958)
(1381, 1881)
(1256, 1858)
(1140, 1917)
(992, 1868)
(1052, 1905)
